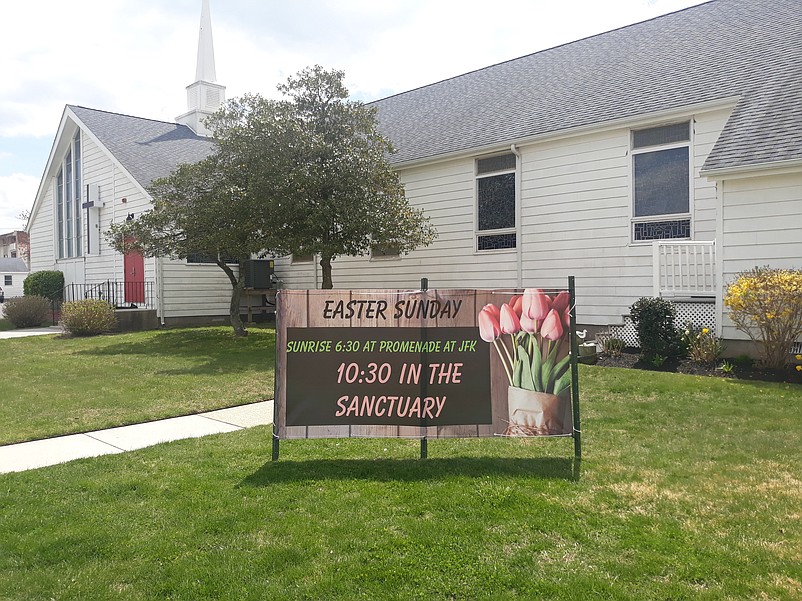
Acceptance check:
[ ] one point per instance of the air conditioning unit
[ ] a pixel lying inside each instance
(259, 274)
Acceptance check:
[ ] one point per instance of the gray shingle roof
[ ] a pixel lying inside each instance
(148, 149)
(724, 48)
(15, 265)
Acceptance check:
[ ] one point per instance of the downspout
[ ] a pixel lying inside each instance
(519, 254)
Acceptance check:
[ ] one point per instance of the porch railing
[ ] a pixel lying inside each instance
(137, 295)
(684, 269)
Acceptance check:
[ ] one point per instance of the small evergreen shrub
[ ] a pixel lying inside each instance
(743, 361)
(27, 311)
(766, 304)
(49, 284)
(88, 317)
(654, 322)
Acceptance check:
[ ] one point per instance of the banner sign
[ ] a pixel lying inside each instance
(434, 363)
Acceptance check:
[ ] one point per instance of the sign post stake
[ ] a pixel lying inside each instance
(424, 441)
(577, 430)
(276, 373)
(275, 445)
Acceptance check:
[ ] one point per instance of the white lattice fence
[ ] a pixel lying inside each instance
(701, 315)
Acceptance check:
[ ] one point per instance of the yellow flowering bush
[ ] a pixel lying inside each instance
(766, 304)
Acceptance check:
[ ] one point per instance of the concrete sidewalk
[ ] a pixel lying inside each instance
(31, 332)
(50, 451)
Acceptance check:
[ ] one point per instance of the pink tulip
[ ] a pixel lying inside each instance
(567, 318)
(528, 325)
(561, 301)
(493, 310)
(489, 328)
(552, 328)
(535, 304)
(510, 324)
(516, 302)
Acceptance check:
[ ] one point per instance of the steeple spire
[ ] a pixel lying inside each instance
(205, 70)
(204, 96)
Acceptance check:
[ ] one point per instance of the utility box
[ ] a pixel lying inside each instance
(259, 274)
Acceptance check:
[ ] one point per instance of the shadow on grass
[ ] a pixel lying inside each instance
(216, 348)
(413, 470)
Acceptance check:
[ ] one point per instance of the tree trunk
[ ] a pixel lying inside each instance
(237, 286)
(325, 265)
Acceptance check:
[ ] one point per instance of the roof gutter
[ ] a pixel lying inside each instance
(773, 168)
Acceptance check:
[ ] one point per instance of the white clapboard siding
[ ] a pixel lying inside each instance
(706, 130)
(42, 231)
(576, 221)
(191, 289)
(762, 225)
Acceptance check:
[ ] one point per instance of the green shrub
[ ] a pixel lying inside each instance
(654, 322)
(88, 317)
(27, 311)
(743, 361)
(766, 304)
(49, 284)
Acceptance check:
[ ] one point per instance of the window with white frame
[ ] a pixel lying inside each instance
(495, 202)
(68, 202)
(8, 280)
(661, 182)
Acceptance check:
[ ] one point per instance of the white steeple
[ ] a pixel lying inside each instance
(205, 69)
(204, 96)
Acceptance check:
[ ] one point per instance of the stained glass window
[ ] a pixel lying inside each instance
(495, 202)
(68, 202)
(495, 242)
(661, 186)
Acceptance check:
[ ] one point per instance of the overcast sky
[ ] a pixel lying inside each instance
(137, 56)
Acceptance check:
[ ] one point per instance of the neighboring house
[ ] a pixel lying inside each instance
(657, 159)
(12, 275)
(97, 174)
(14, 245)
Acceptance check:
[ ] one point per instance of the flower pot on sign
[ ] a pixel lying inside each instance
(535, 413)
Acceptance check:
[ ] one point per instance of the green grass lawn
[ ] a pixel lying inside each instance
(4, 323)
(51, 385)
(690, 488)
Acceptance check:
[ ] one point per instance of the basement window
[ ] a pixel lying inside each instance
(206, 258)
(384, 251)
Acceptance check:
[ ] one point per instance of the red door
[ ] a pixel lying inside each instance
(134, 266)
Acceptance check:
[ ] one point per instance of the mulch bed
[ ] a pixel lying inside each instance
(630, 359)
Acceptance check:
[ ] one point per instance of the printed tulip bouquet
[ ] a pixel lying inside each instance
(530, 334)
